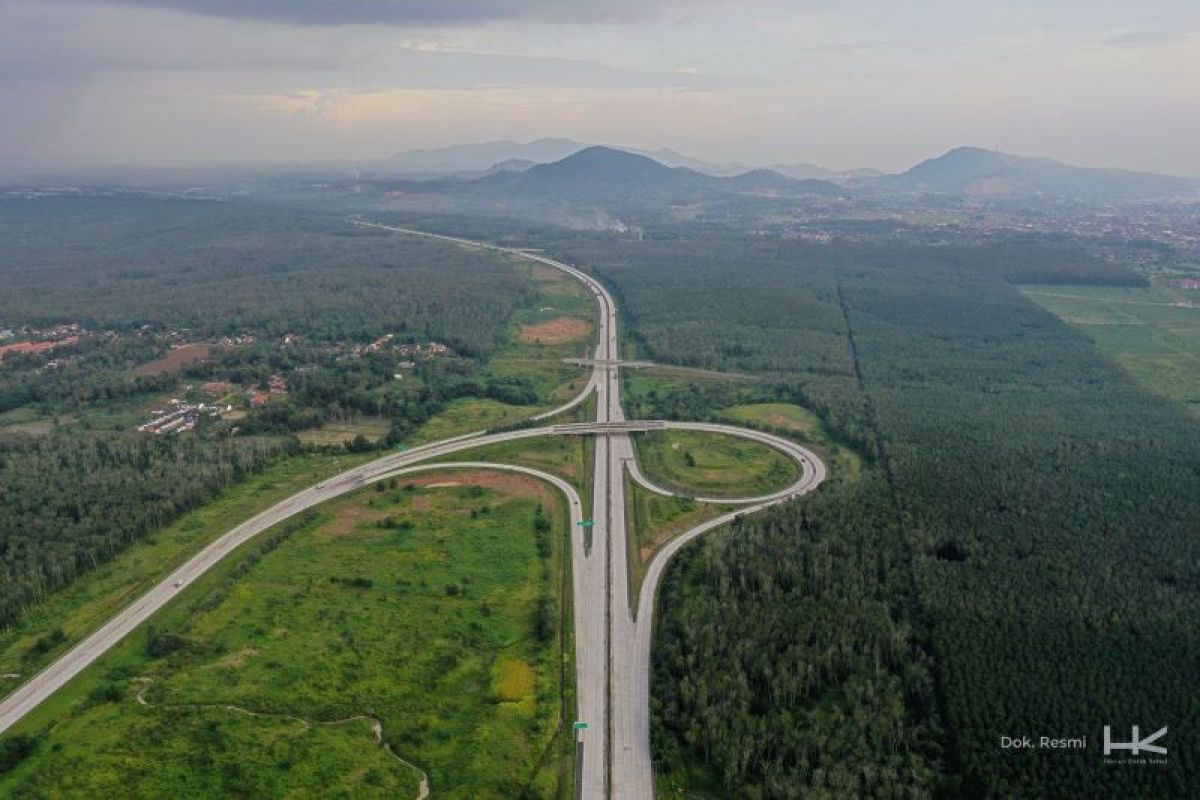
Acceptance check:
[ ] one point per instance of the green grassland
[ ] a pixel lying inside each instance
(557, 296)
(653, 521)
(434, 606)
(539, 364)
(112, 414)
(563, 456)
(85, 605)
(1144, 330)
(210, 752)
(335, 433)
(800, 424)
(469, 415)
(695, 462)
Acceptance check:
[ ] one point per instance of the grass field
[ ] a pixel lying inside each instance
(90, 601)
(433, 606)
(1148, 332)
(695, 462)
(469, 415)
(335, 433)
(27, 420)
(800, 424)
(558, 455)
(558, 323)
(653, 521)
(538, 362)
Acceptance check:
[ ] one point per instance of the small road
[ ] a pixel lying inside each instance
(612, 634)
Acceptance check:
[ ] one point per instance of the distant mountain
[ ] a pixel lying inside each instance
(977, 172)
(673, 158)
(805, 171)
(510, 165)
(600, 175)
(768, 181)
(473, 158)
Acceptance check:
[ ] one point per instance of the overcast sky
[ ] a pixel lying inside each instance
(843, 83)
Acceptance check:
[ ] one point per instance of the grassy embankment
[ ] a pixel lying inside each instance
(431, 609)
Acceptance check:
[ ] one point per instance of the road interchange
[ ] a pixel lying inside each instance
(613, 633)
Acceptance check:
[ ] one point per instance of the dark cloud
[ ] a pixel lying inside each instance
(411, 12)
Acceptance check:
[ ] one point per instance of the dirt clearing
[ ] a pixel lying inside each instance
(176, 359)
(555, 331)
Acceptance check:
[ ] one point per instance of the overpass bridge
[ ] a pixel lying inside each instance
(607, 362)
(627, 426)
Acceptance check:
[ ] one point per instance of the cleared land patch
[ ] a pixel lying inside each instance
(560, 330)
(176, 359)
(335, 433)
(1152, 333)
(781, 416)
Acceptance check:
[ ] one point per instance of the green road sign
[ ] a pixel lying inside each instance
(587, 523)
(401, 448)
(581, 726)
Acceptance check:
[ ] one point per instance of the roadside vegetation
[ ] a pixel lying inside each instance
(564, 456)
(712, 464)
(800, 424)
(436, 605)
(48, 629)
(653, 521)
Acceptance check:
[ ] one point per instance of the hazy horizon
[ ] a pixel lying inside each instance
(179, 83)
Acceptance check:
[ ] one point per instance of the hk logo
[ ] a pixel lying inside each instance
(1136, 745)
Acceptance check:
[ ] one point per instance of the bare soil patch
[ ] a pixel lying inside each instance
(35, 347)
(555, 331)
(176, 359)
(501, 482)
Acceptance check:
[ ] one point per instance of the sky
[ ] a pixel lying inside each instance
(841, 83)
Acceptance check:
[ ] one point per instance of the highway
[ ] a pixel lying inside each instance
(612, 632)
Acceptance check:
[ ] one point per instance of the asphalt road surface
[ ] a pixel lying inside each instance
(613, 631)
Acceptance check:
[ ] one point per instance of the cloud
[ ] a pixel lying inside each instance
(94, 44)
(1140, 38)
(413, 12)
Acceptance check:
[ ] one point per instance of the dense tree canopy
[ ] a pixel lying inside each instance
(1044, 505)
(69, 502)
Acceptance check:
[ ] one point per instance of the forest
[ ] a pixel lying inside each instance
(216, 269)
(71, 502)
(1040, 505)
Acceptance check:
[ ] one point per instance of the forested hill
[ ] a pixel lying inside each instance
(1027, 538)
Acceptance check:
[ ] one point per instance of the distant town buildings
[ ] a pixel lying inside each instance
(177, 417)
